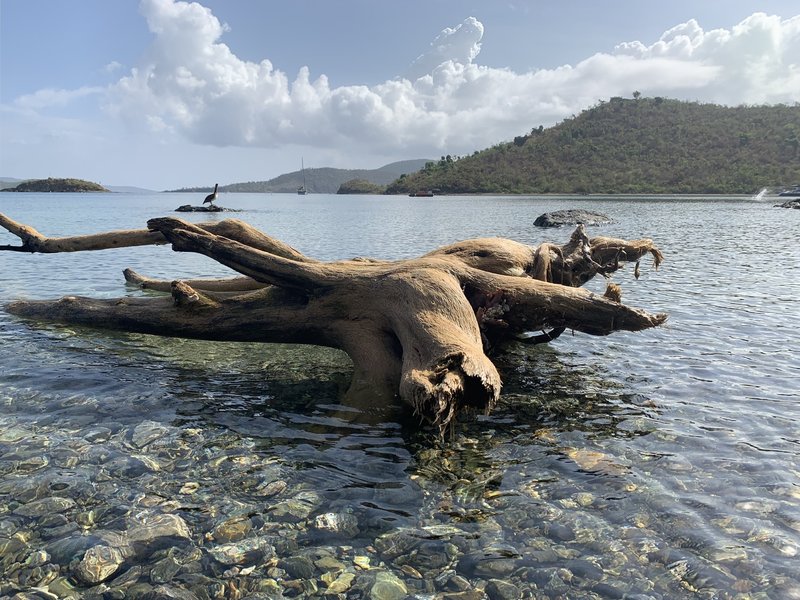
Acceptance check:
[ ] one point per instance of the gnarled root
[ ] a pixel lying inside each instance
(418, 328)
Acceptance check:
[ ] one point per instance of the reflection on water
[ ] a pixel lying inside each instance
(654, 465)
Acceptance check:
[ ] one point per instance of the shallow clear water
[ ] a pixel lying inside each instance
(662, 464)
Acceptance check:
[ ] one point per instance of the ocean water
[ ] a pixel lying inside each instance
(658, 464)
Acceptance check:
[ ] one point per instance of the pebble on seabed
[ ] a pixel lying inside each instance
(156, 511)
(98, 564)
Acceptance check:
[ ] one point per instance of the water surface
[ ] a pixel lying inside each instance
(660, 464)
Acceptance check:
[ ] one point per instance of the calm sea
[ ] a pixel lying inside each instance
(660, 464)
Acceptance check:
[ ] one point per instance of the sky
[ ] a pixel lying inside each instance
(164, 94)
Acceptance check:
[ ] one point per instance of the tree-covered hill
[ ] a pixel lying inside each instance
(57, 185)
(320, 181)
(360, 186)
(640, 145)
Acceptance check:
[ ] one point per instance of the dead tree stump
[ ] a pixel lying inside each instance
(421, 329)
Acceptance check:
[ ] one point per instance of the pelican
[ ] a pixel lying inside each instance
(211, 197)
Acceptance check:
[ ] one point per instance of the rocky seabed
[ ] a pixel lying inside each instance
(153, 511)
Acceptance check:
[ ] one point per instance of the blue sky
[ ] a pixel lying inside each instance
(164, 94)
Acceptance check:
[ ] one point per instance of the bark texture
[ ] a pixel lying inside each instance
(421, 328)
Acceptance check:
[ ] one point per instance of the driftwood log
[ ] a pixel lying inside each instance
(421, 329)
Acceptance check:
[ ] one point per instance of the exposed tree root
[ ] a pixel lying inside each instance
(419, 328)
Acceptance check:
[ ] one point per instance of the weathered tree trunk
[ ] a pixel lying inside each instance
(418, 328)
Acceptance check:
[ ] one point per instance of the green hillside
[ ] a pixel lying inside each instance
(360, 186)
(320, 181)
(642, 145)
(52, 184)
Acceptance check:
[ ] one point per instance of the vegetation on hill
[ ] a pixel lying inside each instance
(640, 145)
(57, 185)
(321, 181)
(360, 186)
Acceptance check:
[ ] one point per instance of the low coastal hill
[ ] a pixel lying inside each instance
(325, 180)
(360, 186)
(640, 145)
(56, 185)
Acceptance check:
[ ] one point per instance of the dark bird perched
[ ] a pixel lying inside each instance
(211, 197)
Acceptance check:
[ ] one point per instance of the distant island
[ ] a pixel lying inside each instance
(632, 146)
(360, 186)
(324, 180)
(57, 185)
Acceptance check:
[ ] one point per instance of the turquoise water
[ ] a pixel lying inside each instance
(661, 464)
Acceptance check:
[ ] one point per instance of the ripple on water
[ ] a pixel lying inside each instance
(658, 465)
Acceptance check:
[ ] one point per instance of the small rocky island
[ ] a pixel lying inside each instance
(57, 185)
(360, 186)
(790, 204)
(212, 208)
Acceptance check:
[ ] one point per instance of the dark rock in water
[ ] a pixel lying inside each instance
(168, 592)
(99, 563)
(249, 551)
(44, 507)
(297, 567)
(491, 563)
(571, 217)
(497, 589)
(336, 523)
(789, 204)
(382, 585)
(148, 533)
(584, 568)
(210, 208)
(64, 550)
(559, 532)
(233, 529)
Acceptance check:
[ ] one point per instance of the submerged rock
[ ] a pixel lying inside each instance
(45, 506)
(63, 550)
(13, 434)
(297, 567)
(296, 509)
(339, 523)
(573, 216)
(99, 563)
(248, 551)
(498, 589)
(341, 584)
(164, 570)
(168, 592)
(233, 529)
(387, 586)
(146, 432)
(153, 532)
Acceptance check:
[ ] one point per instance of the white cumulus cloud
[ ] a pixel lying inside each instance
(191, 84)
(757, 61)
(460, 44)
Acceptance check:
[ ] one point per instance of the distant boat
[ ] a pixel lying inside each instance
(793, 192)
(421, 194)
(301, 191)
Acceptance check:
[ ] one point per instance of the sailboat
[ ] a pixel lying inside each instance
(301, 191)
